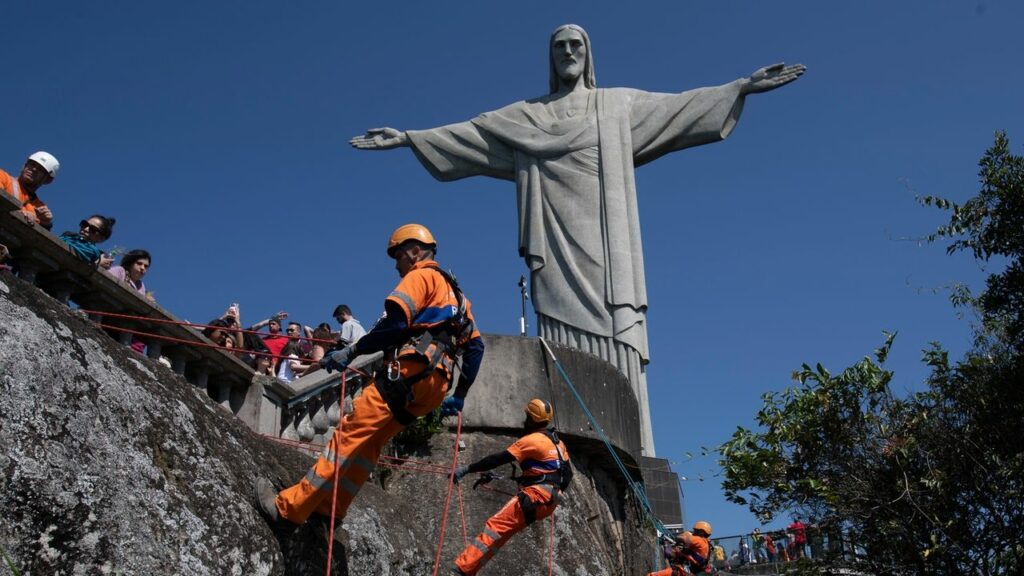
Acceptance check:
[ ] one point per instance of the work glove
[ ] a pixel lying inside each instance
(338, 359)
(452, 406)
(459, 473)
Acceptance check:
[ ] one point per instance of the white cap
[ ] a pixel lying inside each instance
(47, 161)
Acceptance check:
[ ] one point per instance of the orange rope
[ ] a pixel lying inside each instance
(448, 499)
(194, 325)
(337, 475)
(408, 464)
(551, 546)
(462, 512)
(214, 346)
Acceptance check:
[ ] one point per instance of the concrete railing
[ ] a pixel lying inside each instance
(306, 409)
(46, 261)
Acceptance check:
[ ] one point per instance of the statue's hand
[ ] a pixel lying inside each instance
(380, 139)
(771, 77)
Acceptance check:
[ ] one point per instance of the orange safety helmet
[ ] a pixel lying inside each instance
(702, 526)
(539, 412)
(403, 234)
(684, 537)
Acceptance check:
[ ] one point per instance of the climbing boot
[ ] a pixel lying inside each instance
(266, 500)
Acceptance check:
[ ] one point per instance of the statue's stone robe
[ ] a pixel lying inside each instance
(579, 226)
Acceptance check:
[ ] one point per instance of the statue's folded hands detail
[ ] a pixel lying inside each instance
(572, 155)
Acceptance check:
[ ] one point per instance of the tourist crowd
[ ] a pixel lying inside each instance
(799, 540)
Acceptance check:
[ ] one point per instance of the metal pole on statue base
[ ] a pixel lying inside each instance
(524, 296)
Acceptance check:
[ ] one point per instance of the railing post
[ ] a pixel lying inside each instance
(224, 394)
(202, 376)
(178, 364)
(27, 270)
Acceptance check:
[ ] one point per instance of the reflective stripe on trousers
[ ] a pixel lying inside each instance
(358, 446)
(673, 570)
(505, 524)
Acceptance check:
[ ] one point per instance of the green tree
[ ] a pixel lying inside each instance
(928, 483)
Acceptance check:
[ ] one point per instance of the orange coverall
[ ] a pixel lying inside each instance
(537, 455)
(426, 300)
(694, 557)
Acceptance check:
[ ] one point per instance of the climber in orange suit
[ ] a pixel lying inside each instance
(690, 554)
(427, 327)
(546, 473)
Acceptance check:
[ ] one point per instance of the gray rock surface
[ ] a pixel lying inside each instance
(112, 464)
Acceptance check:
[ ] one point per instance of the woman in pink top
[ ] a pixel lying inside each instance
(134, 265)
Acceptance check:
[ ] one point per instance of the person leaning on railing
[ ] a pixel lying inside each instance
(320, 336)
(95, 230)
(39, 170)
(133, 268)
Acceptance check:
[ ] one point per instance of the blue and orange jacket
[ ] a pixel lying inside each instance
(537, 455)
(695, 555)
(423, 302)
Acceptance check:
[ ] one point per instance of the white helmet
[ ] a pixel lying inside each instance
(47, 161)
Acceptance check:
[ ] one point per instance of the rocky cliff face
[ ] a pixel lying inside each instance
(112, 464)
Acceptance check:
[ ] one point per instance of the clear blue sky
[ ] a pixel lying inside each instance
(216, 133)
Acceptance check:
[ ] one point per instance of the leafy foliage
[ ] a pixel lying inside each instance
(930, 483)
(989, 225)
(415, 438)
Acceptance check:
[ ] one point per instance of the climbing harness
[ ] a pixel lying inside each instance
(435, 345)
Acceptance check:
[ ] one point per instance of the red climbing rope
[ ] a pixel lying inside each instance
(205, 345)
(337, 476)
(551, 546)
(195, 325)
(394, 462)
(462, 513)
(448, 499)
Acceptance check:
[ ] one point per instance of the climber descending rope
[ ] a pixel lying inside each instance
(427, 328)
(546, 473)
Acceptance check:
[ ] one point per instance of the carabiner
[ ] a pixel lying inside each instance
(394, 370)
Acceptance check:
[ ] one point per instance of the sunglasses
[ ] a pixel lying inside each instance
(90, 228)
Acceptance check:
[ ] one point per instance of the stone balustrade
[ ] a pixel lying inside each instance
(306, 409)
(46, 261)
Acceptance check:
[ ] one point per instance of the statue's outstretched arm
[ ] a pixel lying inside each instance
(380, 139)
(771, 77)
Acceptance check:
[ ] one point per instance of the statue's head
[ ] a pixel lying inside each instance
(570, 56)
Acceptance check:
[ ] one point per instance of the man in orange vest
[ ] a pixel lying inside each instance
(40, 169)
(691, 551)
(546, 472)
(426, 328)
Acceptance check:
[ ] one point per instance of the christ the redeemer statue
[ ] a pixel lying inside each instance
(571, 154)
